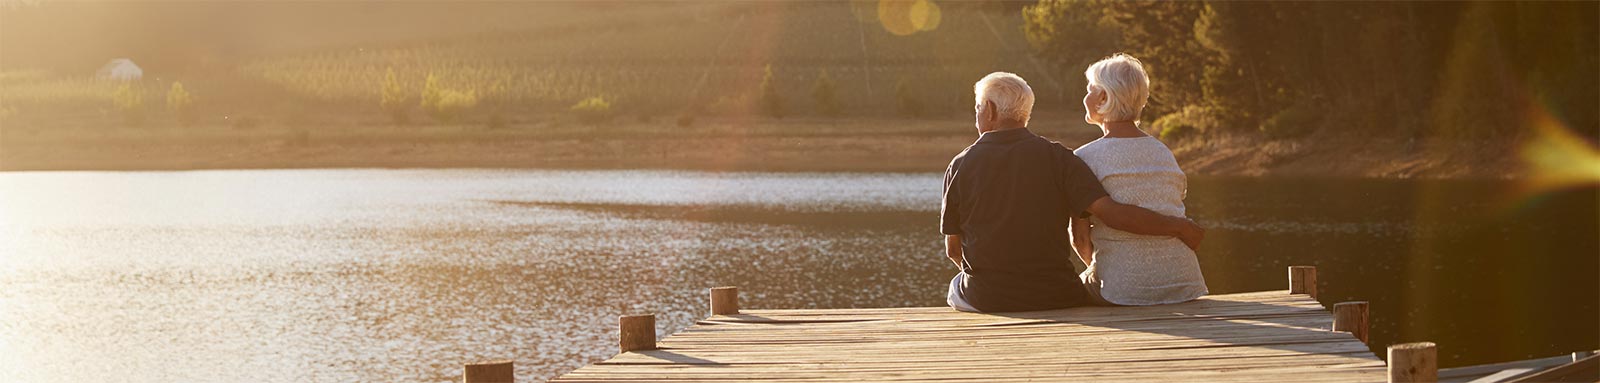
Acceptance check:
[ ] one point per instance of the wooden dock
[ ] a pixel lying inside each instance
(1271, 336)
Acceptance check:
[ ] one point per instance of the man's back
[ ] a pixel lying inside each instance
(1010, 196)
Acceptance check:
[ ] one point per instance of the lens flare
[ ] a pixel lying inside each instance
(907, 17)
(1555, 157)
(925, 16)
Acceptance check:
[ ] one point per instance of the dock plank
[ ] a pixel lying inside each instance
(1267, 336)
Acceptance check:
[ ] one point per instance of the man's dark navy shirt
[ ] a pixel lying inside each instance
(1010, 196)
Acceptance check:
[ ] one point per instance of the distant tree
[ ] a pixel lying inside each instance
(825, 94)
(592, 110)
(1071, 35)
(446, 105)
(1161, 34)
(906, 97)
(181, 104)
(1231, 79)
(129, 101)
(431, 93)
(496, 99)
(771, 102)
(395, 100)
(1485, 85)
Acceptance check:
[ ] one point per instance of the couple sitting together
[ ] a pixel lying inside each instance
(1015, 205)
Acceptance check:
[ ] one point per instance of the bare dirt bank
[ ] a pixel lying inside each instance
(866, 145)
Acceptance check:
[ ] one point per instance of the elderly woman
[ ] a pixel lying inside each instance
(1137, 169)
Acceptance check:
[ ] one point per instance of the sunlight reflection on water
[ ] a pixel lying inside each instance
(342, 275)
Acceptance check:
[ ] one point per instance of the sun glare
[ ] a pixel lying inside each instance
(1555, 157)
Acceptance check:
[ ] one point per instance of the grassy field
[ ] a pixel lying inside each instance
(702, 59)
(683, 84)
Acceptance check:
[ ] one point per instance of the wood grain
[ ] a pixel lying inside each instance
(1250, 337)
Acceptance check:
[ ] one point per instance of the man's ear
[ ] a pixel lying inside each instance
(994, 115)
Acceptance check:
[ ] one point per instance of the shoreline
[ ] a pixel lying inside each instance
(793, 145)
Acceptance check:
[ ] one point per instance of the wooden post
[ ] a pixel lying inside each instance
(638, 332)
(1351, 317)
(724, 300)
(1303, 280)
(1413, 362)
(489, 372)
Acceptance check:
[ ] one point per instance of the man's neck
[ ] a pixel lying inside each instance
(1006, 127)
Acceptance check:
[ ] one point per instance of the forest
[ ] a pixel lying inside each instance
(1451, 70)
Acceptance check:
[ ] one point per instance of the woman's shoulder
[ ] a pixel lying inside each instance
(1111, 155)
(1146, 145)
(1121, 146)
(1090, 147)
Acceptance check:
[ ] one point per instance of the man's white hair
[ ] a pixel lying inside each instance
(1127, 87)
(1012, 97)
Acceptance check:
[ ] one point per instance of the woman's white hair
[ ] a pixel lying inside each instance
(1127, 87)
(1012, 97)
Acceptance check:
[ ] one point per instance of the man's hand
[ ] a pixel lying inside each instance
(1078, 231)
(1191, 234)
(1138, 220)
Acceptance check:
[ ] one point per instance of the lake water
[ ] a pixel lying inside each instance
(404, 275)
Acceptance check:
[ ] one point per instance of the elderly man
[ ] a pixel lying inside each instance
(1007, 201)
